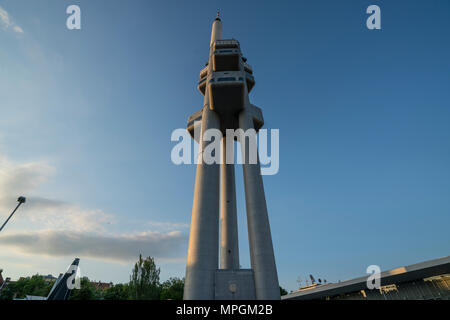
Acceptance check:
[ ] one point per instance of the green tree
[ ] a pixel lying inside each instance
(117, 292)
(34, 286)
(7, 293)
(172, 289)
(144, 280)
(87, 291)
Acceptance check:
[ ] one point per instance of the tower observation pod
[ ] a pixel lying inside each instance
(225, 82)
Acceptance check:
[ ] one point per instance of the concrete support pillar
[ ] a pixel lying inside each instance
(260, 239)
(229, 248)
(203, 257)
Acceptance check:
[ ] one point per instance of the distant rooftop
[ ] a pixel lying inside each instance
(408, 273)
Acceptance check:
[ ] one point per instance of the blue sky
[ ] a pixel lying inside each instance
(86, 118)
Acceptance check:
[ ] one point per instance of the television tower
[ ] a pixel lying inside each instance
(225, 82)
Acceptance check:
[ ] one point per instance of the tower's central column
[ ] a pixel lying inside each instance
(229, 249)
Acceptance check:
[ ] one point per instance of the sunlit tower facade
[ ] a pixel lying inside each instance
(225, 82)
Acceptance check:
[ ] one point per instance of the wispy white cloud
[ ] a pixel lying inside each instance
(22, 177)
(167, 225)
(4, 18)
(57, 228)
(7, 23)
(119, 248)
(18, 29)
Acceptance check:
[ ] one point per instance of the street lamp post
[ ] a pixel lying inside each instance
(20, 200)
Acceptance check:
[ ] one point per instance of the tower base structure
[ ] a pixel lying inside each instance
(234, 285)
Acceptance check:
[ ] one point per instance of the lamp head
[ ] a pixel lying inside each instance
(21, 199)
